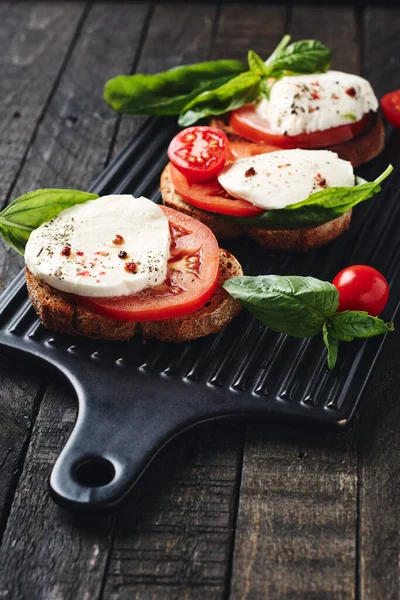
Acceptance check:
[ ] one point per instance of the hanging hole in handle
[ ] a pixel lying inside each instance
(94, 472)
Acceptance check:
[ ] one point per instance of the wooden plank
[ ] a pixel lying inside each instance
(48, 552)
(19, 389)
(66, 152)
(379, 439)
(295, 535)
(72, 144)
(175, 541)
(34, 40)
(243, 27)
(297, 518)
(335, 26)
(173, 536)
(191, 25)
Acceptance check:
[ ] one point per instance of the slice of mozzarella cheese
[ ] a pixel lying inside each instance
(306, 103)
(277, 179)
(114, 246)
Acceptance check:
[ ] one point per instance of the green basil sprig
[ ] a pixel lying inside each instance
(213, 87)
(303, 307)
(321, 207)
(29, 211)
(168, 92)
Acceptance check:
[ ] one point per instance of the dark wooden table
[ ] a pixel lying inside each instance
(230, 510)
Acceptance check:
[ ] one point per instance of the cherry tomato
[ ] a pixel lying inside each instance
(191, 279)
(212, 197)
(362, 287)
(199, 152)
(391, 107)
(247, 123)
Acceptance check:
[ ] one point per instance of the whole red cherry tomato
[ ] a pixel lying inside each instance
(199, 152)
(391, 107)
(362, 287)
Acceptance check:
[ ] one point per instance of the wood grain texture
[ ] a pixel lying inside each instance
(244, 26)
(47, 552)
(296, 528)
(34, 40)
(173, 536)
(18, 391)
(179, 33)
(335, 26)
(72, 144)
(297, 519)
(379, 438)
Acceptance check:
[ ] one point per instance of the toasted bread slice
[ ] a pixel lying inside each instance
(221, 227)
(59, 312)
(301, 240)
(358, 151)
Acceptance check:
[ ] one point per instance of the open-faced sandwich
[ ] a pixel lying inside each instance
(292, 199)
(116, 266)
(292, 100)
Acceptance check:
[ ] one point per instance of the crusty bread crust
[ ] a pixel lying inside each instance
(300, 240)
(222, 228)
(59, 312)
(358, 151)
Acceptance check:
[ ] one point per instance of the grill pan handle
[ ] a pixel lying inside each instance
(116, 435)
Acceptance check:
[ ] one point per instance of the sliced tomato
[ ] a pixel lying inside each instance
(199, 152)
(212, 197)
(191, 279)
(247, 123)
(391, 107)
(247, 149)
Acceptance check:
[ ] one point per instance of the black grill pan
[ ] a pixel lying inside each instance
(134, 397)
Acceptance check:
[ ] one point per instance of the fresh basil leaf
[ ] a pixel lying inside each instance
(294, 305)
(29, 211)
(351, 324)
(238, 91)
(332, 344)
(278, 50)
(256, 64)
(318, 208)
(167, 93)
(304, 56)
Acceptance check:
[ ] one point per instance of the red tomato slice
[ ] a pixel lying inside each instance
(212, 197)
(246, 149)
(191, 279)
(391, 107)
(199, 152)
(362, 287)
(247, 123)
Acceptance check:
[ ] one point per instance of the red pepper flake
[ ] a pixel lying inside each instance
(84, 273)
(321, 181)
(66, 251)
(315, 96)
(118, 240)
(102, 253)
(351, 92)
(250, 172)
(316, 83)
(79, 253)
(102, 273)
(334, 97)
(131, 267)
(97, 280)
